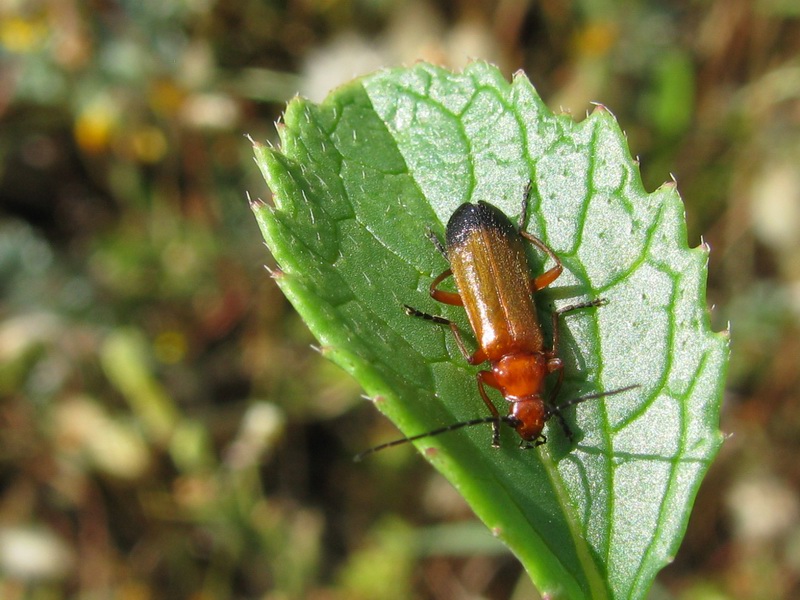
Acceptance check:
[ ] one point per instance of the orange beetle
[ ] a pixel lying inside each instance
(491, 272)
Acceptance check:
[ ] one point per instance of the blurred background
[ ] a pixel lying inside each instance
(167, 431)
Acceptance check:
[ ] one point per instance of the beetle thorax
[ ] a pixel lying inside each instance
(520, 375)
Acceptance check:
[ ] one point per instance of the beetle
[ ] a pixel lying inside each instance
(489, 266)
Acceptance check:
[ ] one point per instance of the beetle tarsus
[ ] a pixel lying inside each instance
(413, 312)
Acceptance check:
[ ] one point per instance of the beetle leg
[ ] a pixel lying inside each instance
(413, 312)
(587, 304)
(542, 439)
(549, 276)
(554, 348)
(557, 313)
(561, 421)
(474, 359)
(436, 242)
(487, 378)
(555, 364)
(451, 298)
(523, 215)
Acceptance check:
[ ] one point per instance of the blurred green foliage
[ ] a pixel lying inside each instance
(165, 431)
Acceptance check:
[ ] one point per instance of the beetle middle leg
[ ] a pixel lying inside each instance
(487, 378)
(474, 358)
(453, 299)
(483, 377)
(555, 364)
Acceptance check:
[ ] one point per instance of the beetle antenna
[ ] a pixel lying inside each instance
(557, 410)
(508, 419)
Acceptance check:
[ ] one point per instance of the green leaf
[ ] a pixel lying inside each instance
(356, 182)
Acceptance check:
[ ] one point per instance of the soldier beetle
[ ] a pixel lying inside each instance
(488, 263)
